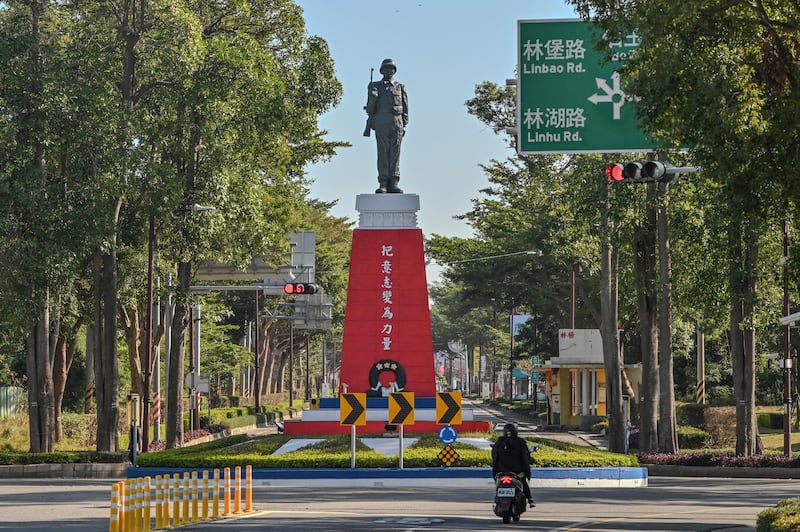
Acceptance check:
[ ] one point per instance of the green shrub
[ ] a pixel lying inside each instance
(691, 414)
(720, 423)
(720, 396)
(692, 438)
(770, 420)
(783, 517)
(62, 457)
(334, 451)
(80, 429)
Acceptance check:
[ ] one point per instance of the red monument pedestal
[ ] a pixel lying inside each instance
(387, 344)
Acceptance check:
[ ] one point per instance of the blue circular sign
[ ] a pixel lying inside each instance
(447, 434)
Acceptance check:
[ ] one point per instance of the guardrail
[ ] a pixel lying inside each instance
(144, 503)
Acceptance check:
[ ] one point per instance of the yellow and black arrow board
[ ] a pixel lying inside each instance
(448, 408)
(353, 409)
(401, 408)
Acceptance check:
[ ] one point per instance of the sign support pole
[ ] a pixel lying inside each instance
(352, 446)
(401, 446)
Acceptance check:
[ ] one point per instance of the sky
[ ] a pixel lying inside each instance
(443, 49)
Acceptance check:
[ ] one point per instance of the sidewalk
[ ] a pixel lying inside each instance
(529, 426)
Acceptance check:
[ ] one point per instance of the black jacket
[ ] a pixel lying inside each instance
(511, 454)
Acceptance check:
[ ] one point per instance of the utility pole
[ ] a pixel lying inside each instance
(787, 357)
(511, 355)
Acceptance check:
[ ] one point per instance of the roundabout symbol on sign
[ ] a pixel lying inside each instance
(447, 434)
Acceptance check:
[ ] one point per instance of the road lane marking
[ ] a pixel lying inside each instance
(576, 527)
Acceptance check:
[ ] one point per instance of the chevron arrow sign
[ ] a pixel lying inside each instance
(448, 408)
(401, 408)
(353, 409)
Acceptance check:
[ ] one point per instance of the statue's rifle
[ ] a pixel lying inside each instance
(367, 128)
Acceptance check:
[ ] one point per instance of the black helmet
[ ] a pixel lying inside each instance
(388, 63)
(510, 430)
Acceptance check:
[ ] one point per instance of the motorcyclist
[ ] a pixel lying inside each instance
(510, 453)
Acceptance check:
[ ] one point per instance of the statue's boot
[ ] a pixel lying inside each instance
(393, 188)
(384, 185)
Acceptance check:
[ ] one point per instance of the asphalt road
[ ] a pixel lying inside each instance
(667, 504)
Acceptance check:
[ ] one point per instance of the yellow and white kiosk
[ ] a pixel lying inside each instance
(576, 379)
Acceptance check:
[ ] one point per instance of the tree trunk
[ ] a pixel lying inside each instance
(667, 428)
(133, 338)
(64, 354)
(177, 358)
(617, 425)
(645, 277)
(60, 370)
(106, 362)
(744, 256)
(41, 407)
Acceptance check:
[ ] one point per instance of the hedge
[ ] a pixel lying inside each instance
(783, 517)
(334, 451)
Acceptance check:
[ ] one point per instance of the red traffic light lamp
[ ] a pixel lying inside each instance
(300, 288)
(647, 172)
(614, 171)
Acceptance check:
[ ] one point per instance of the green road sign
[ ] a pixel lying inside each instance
(569, 99)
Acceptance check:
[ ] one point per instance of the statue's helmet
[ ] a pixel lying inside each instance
(388, 63)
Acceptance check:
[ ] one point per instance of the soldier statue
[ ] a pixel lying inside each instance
(387, 111)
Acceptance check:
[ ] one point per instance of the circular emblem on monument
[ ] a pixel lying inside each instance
(386, 376)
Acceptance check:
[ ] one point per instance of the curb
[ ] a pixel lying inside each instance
(124, 470)
(722, 472)
(89, 471)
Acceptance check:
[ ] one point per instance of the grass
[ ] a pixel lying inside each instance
(14, 434)
(773, 440)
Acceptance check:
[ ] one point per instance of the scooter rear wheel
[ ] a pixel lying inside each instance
(506, 519)
(515, 518)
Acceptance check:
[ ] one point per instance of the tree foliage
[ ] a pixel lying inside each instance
(113, 113)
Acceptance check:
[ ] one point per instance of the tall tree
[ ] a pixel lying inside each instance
(43, 174)
(726, 85)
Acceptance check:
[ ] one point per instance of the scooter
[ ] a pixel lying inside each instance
(509, 500)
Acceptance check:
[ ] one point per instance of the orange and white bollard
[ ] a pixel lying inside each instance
(204, 515)
(122, 508)
(128, 505)
(159, 495)
(186, 494)
(165, 500)
(248, 503)
(226, 493)
(113, 521)
(176, 500)
(237, 493)
(215, 498)
(195, 499)
(137, 516)
(146, 487)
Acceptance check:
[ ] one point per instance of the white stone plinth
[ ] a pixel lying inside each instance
(387, 211)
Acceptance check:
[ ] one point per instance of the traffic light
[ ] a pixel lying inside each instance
(647, 172)
(300, 288)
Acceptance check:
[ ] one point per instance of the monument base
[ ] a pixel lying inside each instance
(297, 427)
(326, 417)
